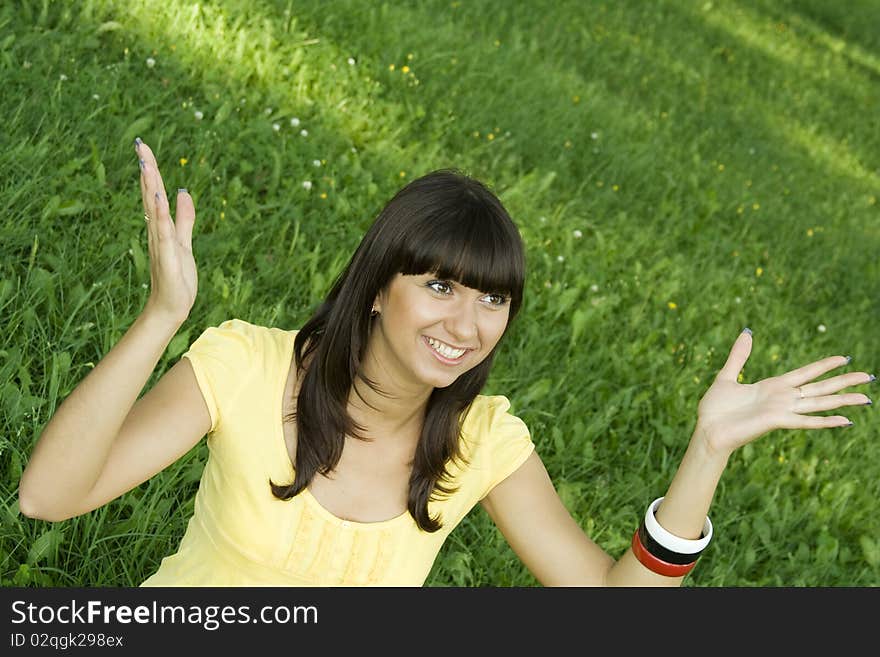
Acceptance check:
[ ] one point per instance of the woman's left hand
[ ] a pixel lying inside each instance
(732, 414)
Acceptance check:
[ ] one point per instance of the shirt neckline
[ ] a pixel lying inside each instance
(282, 446)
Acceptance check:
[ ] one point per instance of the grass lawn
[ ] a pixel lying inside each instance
(678, 171)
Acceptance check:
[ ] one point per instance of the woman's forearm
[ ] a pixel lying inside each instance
(73, 447)
(683, 510)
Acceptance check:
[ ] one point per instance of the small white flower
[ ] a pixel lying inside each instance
(577, 234)
(548, 284)
(594, 135)
(354, 150)
(351, 61)
(144, 285)
(26, 64)
(150, 62)
(199, 116)
(130, 252)
(268, 111)
(594, 288)
(543, 220)
(276, 127)
(560, 258)
(62, 77)
(307, 184)
(304, 132)
(316, 163)
(821, 328)
(294, 121)
(96, 97)
(738, 300)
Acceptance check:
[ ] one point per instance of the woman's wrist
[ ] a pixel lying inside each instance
(705, 441)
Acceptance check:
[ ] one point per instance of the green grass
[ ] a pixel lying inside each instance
(719, 161)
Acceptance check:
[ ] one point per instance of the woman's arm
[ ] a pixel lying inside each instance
(529, 513)
(74, 447)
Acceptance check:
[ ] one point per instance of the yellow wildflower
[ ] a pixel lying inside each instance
(183, 161)
(759, 271)
(672, 305)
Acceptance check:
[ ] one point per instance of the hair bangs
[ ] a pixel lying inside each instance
(473, 247)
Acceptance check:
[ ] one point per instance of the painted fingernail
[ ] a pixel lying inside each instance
(848, 360)
(746, 330)
(141, 163)
(873, 378)
(869, 402)
(849, 425)
(137, 142)
(181, 190)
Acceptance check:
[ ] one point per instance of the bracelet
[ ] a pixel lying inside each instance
(657, 550)
(657, 565)
(672, 542)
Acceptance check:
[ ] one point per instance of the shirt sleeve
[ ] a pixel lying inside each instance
(220, 358)
(506, 444)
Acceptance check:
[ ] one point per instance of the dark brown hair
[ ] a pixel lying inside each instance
(445, 223)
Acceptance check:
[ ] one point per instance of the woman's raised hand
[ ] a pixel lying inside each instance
(732, 414)
(173, 276)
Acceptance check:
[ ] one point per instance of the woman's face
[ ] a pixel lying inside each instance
(425, 323)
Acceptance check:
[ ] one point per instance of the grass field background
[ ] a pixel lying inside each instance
(678, 171)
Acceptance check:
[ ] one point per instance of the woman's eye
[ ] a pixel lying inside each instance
(445, 288)
(441, 284)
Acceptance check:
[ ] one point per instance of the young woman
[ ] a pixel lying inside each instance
(344, 453)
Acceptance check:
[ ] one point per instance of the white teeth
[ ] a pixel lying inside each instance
(446, 351)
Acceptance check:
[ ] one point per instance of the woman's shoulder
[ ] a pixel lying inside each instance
(488, 419)
(255, 335)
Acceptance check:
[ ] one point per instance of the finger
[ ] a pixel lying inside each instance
(736, 360)
(835, 384)
(807, 373)
(184, 218)
(152, 166)
(164, 225)
(141, 180)
(829, 402)
(819, 422)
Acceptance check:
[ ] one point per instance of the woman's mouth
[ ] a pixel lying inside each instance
(444, 353)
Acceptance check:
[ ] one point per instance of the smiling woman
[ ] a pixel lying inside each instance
(374, 325)
(345, 452)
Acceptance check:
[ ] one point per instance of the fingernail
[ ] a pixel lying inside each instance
(746, 330)
(848, 359)
(873, 378)
(181, 190)
(137, 142)
(849, 425)
(868, 403)
(141, 163)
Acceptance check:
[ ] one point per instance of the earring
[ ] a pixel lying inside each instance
(374, 312)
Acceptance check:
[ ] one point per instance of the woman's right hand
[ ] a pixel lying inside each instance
(173, 276)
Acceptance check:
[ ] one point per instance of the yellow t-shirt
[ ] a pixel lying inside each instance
(242, 535)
